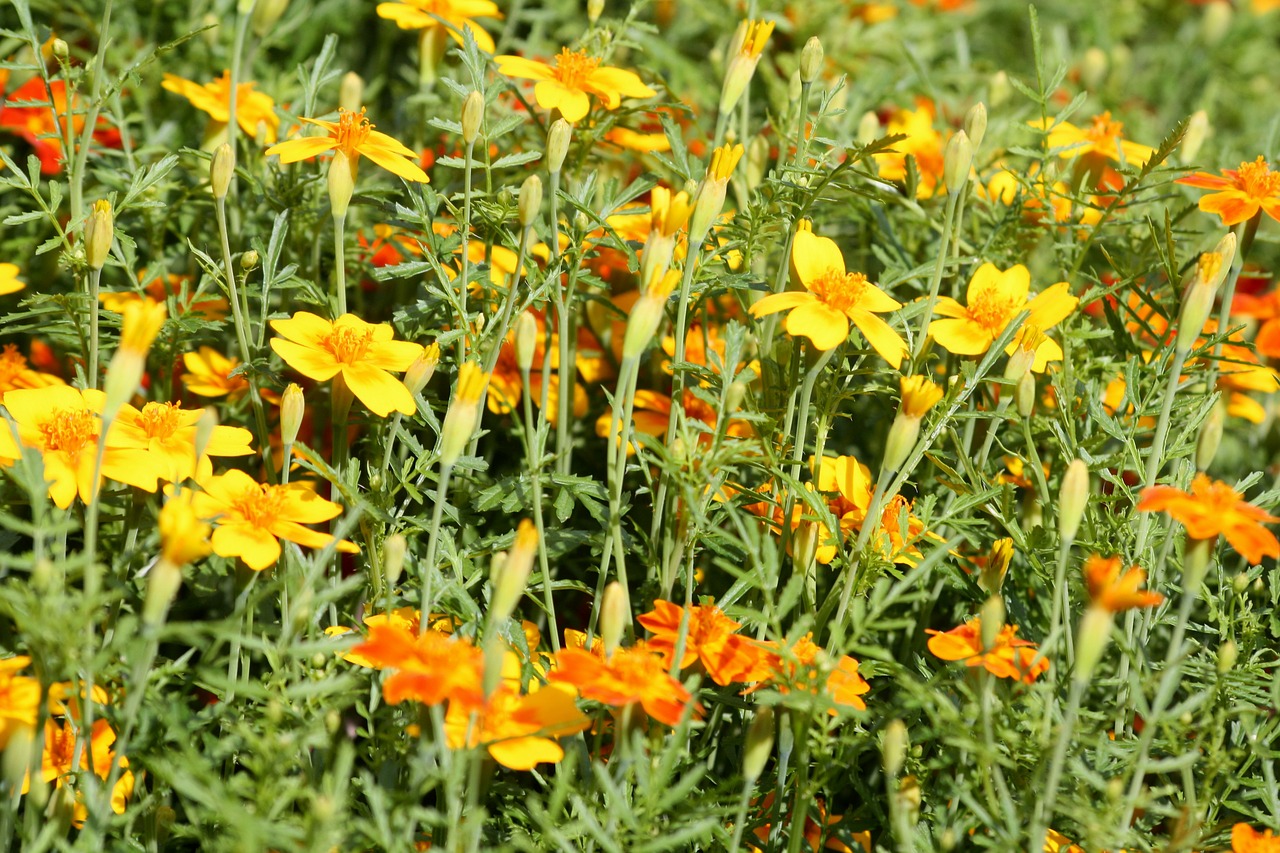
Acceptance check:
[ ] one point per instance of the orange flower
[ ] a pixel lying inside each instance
(431, 667)
(572, 76)
(796, 667)
(58, 763)
(710, 638)
(1008, 657)
(27, 113)
(517, 730)
(814, 828)
(629, 675)
(15, 372)
(1239, 193)
(1246, 839)
(1114, 590)
(1212, 508)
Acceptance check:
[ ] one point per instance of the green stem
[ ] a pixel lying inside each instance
(533, 450)
(466, 254)
(433, 541)
(1045, 807)
(91, 371)
(949, 223)
(340, 264)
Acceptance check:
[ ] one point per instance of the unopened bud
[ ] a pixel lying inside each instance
(1073, 497)
(993, 573)
(342, 184)
(1198, 298)
(759, 745)
(1227, 653)
(526, 340)
(249, 260)
(893, 747)
(615, 615)
(999, 89)
(17, 753)
(350, 92)
(393, 551)
(811, 60)
(292, 407)
(422, 369)
(992, 618)
(463, 414)
(1215, 23)
(794, 88)
(221, 169)
(530, 203)
(903, 435)
(975, 124)
(558, 139)
(509, 583)
(1210, 436)
(163, 582)
(204, 429)
(1197, 132)
(1092, 638)
(1195, 562)
(595, 8)
(472, 116)
(757, 162)
(99, 231)
(60, 51)
(1093, 68)
(1025, 394)
(868, 128)
(957, 160)
(266, 13)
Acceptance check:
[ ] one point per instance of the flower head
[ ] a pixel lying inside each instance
(833, 298)
(1246, 839)
(209, 374)
(1103, 137)
(1114, 589)
(9, 281)
(637, 674)
(518, 730)
(572, 76)
(15, 372)
(456, 14)
(430, 666)
(19, 698)
(1008, 657)
(1239, 193)
(167, 432)
(711, 639)
(254, 110)
(352, 135)
(1212, 508)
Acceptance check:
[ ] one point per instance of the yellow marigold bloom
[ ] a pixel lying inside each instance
(1056, 842)
(574, 75)
(363, 353)
(1238, 193)
(16, 373)
(184, 537)
(167, 432)
(1103, 137)
(252, 518)
(254, 109)
(744, 55)
(670, 211)
(9, 281)
(923, 143)
(428, 14)
(209, 372)
(995, 297)
(919, 395)
(833, 298)
(142, 320)
(352, 135)
(19, 698)
(65, 425)
(518, 730)
(58, 762)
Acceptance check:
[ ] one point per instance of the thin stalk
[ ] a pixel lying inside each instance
(91, 368)
(340, 266)
(466, 254)
(1246, 231)
(433, 541)
(533, 449)
(1045, 806)
(619, 441)
(949, 222)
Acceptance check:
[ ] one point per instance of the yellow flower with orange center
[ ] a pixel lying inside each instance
(168, 432)
(9, 281)
(58, 762)
(252, 518)
(208, 374)
(574, 75)
(363, 354)
(832, 299)
(19, 698)
(1103, 137)
(352, 135)
(1213, 508)
(16, 373)
(517, 730)
(995, 297)
(457, 14)
(255, 111)
(1239, 193)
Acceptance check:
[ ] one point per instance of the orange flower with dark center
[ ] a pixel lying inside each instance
(711, 639)
(1114, 589)
(630, 675)
(1239, 193)
(1212, 508)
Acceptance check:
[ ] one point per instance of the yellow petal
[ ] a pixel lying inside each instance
(820, 323)
(813, 256)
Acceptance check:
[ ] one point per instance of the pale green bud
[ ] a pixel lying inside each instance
(1210, 436)
(530, 203)
(893, 747)
(615, 615)
(811, 60)
(759, 745)
(957, 160)
(975, 124)
(1092, 638)
(558, 139)
(472, 116)
(393, 552)
(1073, 497)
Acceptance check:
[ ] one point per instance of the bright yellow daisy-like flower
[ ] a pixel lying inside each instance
(168, 432)
(573, 76)
(254, 109)
(352, 135)
(9, 281)
(208, 374)
(995, 298)
(832, 299)
(252, 518)
(428, 14)
(1103, 137)
(363, 354)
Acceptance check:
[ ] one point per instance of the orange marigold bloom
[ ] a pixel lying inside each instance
(813, 828)
(1115, 590)
(797, 666)
(1008, 657)
(58, 763)
(518, 730)
(16, 373)
(1239, 193)
(431, 667)
(572, 76)
(27, 113)
(1212, 508)
(710, 638)
(1246, 839)
(629, 675)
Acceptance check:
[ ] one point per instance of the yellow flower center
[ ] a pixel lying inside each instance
(159, 420)
(842, 291)
(12, 364)
(353, 130)
(348, 345)
(1104, 132)
(573, 67)
(992, 309)
(69, 430)
(261, 506)
(1257, 179)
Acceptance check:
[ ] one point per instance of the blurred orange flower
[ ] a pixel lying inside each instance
(1212, 508)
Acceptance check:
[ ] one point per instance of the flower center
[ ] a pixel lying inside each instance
(61, 747)
(348, 345)
(841, 291)
(1257, 179)
(353, 130)
(159, 420)
(1104, 132)
(69, 430)
(573, 67)
(992, 309)
(260, 506)
(12, 364)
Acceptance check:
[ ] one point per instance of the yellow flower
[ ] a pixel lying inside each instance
(517, 729)
(209, 374)
(919, 395)
(428, 14)
(1102, 137)
(573, 76)
(184, 538)
(831, 299)
(167, 432)
(995, 297)
(16, 373)
(19, 699)
(58, 764)
(362, 353)
(252, 518)
(923, 143)
(253, 109)
(9, 282)
(352, 135)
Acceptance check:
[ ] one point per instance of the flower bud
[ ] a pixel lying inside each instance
(647, 313)
(422, 369)
(249, 260)
(393, 551)
(558, 139)
(221, 169)
(1197, 132)
(1073, 497)
(1025, 394)
(142, 321)
(163, 582)
(1195, 562)
(1092, 638)
(744, 55)
(1210, 436)
(869, 128)
(17, 754)
(530, 203)
(795, 86)
(919, 395)
(1227, 653)
(342, 184)
(472, 116)
(1215, 23)
(993, 573)
(526, 340)
(1198, 298)
(757, 162)
(759, 745)
(464, 413)
(999, 89)
(99, 231)
(992, 621)
(975, 124)
(509, 583)
(350, 92)
(595, 8)
(957, 160)
(265, 15)
(292, 407)
(60, 50)
(615, 615)
(1093, 68)
(709, 200)
(811, 60)
(893, 747)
